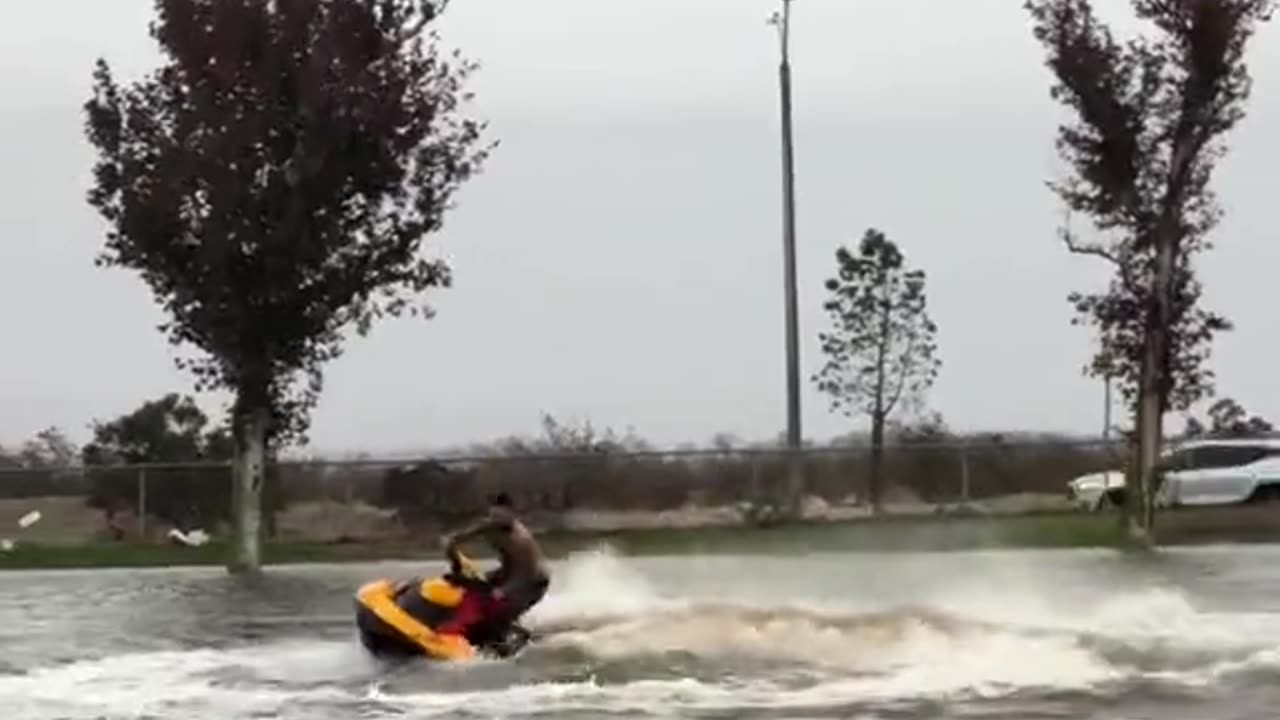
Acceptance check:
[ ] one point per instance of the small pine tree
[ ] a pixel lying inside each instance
(881, 350)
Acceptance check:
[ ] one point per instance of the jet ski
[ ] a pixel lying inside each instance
(451, 617)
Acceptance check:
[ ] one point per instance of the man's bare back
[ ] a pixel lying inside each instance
(524, 556)
(522, 579)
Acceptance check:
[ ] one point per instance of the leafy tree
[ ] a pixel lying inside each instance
(50, 448)
(171, 429)
(881, 349)
(190, 488)
(273, 182)
(43, 466)
(1150, 117)
(1227, 418)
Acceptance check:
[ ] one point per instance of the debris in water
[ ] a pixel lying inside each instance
(195, 538)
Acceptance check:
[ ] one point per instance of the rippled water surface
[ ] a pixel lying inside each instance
(1195, 634)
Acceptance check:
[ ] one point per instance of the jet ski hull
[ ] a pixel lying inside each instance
(450, 623)
(387, 629)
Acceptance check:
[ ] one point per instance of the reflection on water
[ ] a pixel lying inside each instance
(992, 635)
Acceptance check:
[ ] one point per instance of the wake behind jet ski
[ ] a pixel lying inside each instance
(450, 617)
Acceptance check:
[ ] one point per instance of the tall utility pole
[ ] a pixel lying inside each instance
(796, 470)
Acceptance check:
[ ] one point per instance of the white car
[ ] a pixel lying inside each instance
(1198, 472)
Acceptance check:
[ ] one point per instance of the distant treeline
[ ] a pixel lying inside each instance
(164, 455)
(571, 468)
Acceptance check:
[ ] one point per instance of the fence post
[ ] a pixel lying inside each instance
(964, 473)
(142, 503)
(755, 493)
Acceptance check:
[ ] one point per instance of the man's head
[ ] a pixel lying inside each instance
(501, 506)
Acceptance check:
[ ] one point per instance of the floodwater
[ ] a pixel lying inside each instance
(1064, 634)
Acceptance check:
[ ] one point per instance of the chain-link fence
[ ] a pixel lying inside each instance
(368, 501)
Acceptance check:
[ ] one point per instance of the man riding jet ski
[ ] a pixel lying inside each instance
(457, 615)
(522, 577)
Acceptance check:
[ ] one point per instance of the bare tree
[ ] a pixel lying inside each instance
(1151, 114)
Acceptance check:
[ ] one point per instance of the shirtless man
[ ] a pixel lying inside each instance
(522, 578)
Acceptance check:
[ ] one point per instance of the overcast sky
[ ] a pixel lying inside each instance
(620, 258)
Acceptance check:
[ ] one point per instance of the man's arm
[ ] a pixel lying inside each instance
(470, 532)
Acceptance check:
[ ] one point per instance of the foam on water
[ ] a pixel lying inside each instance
(162, 683)
(603, 614)
(598, 585)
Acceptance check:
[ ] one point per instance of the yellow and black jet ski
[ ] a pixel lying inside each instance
(450, 617)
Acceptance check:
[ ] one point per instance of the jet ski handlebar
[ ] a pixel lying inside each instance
(463, 570)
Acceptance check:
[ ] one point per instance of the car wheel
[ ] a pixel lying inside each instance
(1266, 494)
(1113, 499)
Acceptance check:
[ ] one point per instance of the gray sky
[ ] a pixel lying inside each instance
(620, 258)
